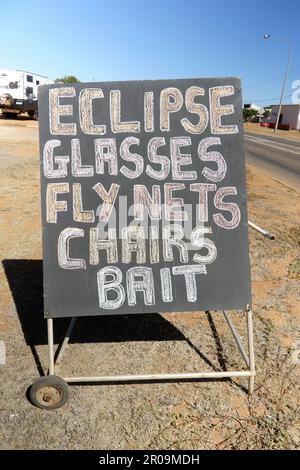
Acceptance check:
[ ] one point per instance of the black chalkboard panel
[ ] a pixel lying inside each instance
(144, 203)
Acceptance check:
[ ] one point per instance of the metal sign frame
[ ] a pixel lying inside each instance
(248, 359)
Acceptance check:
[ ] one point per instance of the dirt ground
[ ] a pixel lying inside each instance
(292, 134)
(190, 415)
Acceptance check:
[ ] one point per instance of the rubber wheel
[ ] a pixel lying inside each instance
(49, 392)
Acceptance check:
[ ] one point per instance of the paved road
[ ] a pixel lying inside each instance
(277, 156)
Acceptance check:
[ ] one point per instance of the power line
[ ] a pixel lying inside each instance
(271, 79)
(268, 99)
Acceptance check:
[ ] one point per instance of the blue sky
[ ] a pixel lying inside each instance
(130, 39)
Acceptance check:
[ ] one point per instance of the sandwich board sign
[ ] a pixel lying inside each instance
(144, 204)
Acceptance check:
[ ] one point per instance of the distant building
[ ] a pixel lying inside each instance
(254, 106)
(260, 112)
(289, 115)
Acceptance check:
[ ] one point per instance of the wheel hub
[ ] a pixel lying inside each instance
(49, 396)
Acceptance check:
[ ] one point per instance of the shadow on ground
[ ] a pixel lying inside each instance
(25, 278)
(17, 118)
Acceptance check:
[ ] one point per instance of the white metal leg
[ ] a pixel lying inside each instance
(50, 346)
(65, 341)
(237, 338)
(251, 351)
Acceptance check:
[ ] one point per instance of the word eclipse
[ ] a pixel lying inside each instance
(170, 101)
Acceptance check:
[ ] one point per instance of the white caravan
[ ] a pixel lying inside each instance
(19, 92)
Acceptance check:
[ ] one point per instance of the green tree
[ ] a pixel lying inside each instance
(249, 113)
(67, 79)
(267, 112)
